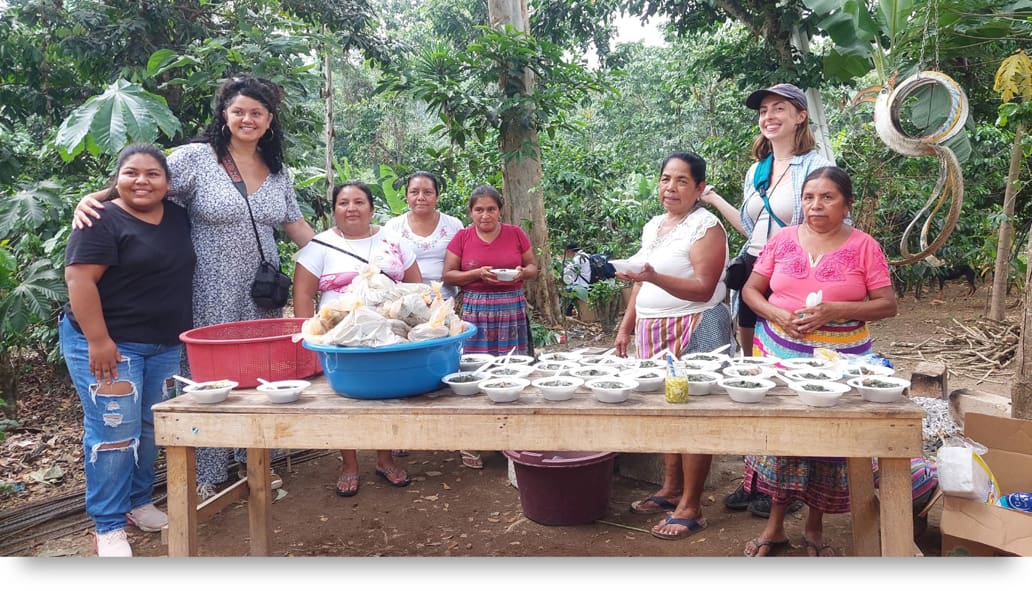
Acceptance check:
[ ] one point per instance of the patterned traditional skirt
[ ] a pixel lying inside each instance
(850, 337)
(501, 319)
(820, 483)
(694, 333)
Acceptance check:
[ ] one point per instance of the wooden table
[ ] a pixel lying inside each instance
(714, 424)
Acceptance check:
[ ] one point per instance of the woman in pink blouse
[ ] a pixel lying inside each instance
(823, 254)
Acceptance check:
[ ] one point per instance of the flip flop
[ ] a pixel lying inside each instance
(395, 477)
(347, 485)
(691, 526)
(471, 459)
(819, 549)
(658, 505)
(752, 549)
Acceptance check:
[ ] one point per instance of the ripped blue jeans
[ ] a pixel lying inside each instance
(118, 444)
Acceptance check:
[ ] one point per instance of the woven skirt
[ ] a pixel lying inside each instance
(850, 337)
(695, 333)
(501, 320)
(819, 483)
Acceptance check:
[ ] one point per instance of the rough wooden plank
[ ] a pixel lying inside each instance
(180, 466)
(259, 506)
(897, 509)
(864, 507)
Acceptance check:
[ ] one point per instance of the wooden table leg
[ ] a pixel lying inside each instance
(181, 484)
(259, 504)
(897, 510)
(864, 507)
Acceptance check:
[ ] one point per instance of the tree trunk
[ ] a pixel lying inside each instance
(328, 132)
(521, 177)
(8, 384)
(1001, 270)
(1021, 390)
(814, 102)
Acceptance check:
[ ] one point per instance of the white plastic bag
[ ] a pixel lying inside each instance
(963, 472)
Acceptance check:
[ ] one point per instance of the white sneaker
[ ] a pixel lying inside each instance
(147, 518)
(113, 544)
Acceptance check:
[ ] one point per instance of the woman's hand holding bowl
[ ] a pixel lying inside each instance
(647, 274)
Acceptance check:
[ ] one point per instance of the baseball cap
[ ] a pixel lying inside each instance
(788, 91)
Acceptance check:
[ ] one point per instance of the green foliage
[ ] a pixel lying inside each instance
(541, 335)
(125, 113)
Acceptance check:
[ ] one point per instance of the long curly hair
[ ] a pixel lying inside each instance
(269, 94)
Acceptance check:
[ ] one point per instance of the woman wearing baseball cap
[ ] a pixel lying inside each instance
(785, 151)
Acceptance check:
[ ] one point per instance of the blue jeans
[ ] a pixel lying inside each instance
(118, 444)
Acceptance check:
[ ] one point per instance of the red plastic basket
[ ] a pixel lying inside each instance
(248, 350)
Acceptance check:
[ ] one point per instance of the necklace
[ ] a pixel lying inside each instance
(351, 246)
(784, 159)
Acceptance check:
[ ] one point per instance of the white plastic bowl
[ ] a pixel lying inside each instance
(814, 375)
(514, 370)
(862, 370)
(652, 364)
(806, 363)
(551, 368)
(612, 389)
(464, 388)
(505, 274)
(559, 356)
(627, 265)
(589, 372)
(210, 392)
(828, 395)
(720, 358)
(755, 360)
(514, 360)
(557, 388)
(872, 393)
(503, 389)
(746, 390)
(607, 360)
(283, 391)
(472, 361)
(697, 365)
(649, 380)
(700, 383)
(749, 371)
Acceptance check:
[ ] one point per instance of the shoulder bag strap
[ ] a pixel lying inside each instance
(349, 253)
(238, 181)
(761, 182)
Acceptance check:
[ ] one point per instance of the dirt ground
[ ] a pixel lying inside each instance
(452, 511)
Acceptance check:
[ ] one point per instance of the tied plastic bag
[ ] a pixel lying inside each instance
(963, 472)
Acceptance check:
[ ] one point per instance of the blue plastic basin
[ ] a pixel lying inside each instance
(394, 371)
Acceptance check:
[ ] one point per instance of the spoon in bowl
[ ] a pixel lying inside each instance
(186, 381)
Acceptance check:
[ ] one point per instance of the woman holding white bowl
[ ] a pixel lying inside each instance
(497, 307)
(677, 304)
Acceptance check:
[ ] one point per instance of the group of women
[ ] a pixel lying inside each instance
(677, 301)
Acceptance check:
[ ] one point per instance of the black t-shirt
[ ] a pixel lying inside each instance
(146, 292)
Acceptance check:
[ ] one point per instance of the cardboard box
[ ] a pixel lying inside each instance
(971, 528)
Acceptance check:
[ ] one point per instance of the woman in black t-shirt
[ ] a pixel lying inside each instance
(129, 279)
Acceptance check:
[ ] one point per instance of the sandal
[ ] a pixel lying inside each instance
(752, 549)
(472, 459)
(347, 485)
(821, 550)
(690, 526)
(653, 504)
(395, 476)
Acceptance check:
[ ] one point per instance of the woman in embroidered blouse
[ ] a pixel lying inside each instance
(326, 271)
(849, 268)
(677, 304)
(427, 230)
